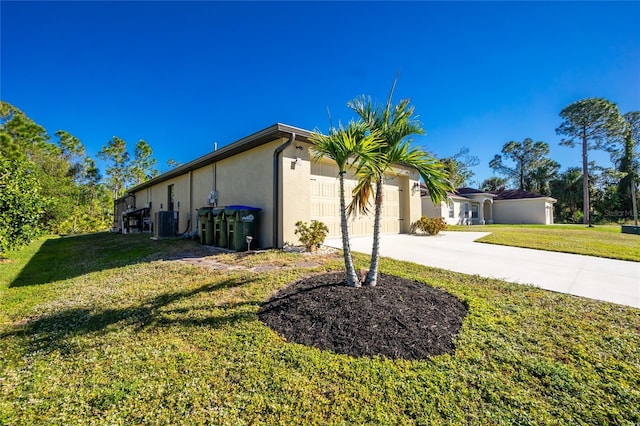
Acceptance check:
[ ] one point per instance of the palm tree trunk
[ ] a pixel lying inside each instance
(372, 275)
(352, 277)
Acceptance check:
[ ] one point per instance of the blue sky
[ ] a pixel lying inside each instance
(183, 75)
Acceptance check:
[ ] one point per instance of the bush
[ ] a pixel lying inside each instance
(432, 226)
(311, 236)
(22, 205)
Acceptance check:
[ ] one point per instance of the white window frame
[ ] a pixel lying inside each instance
(475, 214)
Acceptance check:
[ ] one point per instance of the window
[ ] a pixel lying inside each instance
(466, 209)
(451, 208)
(171, 196)
(474, 211)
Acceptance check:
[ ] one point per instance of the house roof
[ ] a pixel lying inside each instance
(515, 194)
(261, 137)
(505, 194)
(469, 191)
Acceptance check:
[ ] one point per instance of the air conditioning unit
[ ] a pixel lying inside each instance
(165, 224)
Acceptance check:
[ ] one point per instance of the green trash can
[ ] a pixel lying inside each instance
(209, 228)
(244, 225)
(206, 227)
(220, 228)
(233, 223)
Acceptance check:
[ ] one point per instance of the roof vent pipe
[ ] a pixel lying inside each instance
(276, 187)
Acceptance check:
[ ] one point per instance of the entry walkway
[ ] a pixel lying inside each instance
(610, 280)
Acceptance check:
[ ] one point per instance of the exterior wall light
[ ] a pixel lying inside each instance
(299, 149)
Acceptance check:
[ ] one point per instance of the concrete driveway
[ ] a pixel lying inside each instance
(610, 280)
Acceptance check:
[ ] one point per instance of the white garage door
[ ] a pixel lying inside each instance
(325, 202)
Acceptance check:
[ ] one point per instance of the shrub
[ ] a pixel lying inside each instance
(22, 205)
(311, 236)
(431, 225)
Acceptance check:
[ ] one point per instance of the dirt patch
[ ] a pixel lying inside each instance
(398, 318)
(208, 258)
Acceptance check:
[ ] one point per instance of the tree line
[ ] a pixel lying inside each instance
(589, 194)
(51, 185)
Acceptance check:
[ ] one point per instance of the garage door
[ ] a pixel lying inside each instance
(325, 202)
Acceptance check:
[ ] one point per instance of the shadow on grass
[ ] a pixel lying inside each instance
(69, 257)
(51, 331)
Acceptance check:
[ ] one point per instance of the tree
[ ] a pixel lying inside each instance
(172, 164)
(628, 160)
(395, 124)
(346, 146)
(142, 166)
(119, 172)
(494, 183)
(459, 166)
(24, 132)
(595, 123)
(532, 169)
(566, 189)
(543, 175)
(66, 179)
(21, 203)
(84, 195)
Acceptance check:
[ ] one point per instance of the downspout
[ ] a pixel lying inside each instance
(276, 188)
(190, 201)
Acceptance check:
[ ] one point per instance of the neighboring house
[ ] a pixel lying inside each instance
(271, 170)
(469, 206)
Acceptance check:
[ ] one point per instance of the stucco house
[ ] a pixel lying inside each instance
(271, 170)
(469, 206)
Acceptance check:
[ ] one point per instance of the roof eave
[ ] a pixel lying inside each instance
(266, 135)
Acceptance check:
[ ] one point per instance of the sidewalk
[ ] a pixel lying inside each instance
(616, 281)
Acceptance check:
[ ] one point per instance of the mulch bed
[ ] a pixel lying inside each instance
(398, 318)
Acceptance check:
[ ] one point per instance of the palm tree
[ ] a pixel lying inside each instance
(395, 124)
(567, 190)
(346, 146)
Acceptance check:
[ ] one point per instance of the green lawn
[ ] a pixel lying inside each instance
(601, 241)
(100, 329)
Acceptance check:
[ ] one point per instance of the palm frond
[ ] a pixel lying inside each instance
(361, 196)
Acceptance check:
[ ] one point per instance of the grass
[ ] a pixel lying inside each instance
(601, 241)
(100, 329)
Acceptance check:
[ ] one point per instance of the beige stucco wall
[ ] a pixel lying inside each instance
(528, 210)
(431, 210)
(410, 204)
(247, 179)
(244, 179)
(158, 196)
(295, 195)
(442, 210)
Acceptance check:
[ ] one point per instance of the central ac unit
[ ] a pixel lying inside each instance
(165, 224)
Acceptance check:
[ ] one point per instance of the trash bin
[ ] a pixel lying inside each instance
(231, 215)
(209, 228)
(206, 225)
(243, 224)
(220, 229)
